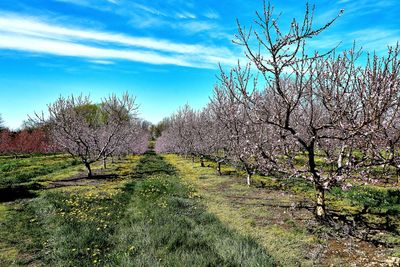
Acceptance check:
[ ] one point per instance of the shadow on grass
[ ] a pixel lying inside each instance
(15, 192)
(152, 163)
(85, 177)
(168, 225)
(27, 190)
(81, 180)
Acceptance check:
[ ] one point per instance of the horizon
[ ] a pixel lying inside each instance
(166, 54)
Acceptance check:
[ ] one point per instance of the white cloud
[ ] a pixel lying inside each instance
(375, 39)
(365, 7)
(212, 14)
(63, 48)
(325, 43)
(89, 3)
(186, 15)
(35, 35)
(146, 22)
(102, 62)
(75, 2)
(149, 9)
(370, 39)
(196, 26)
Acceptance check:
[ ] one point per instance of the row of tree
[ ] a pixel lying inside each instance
(95, 131)
(321, 117)
(87, 131)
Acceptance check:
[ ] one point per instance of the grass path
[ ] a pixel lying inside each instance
(145, 216)
(166, 224)
(273, 218)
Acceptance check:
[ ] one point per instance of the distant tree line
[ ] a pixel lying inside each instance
(26, 141)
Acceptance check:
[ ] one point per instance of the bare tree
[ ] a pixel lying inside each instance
(179, 135)
(135, 139)
(316, 100)
(232, 120)
(382, 142)
(338, 113)
(188, 132)
(89, 131)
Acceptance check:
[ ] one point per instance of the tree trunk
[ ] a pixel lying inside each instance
(248, 171)
(202, 161)
(248, 178)
(104, 163)
(219, 169)
(349, 159)
(320, 209)
(340, 160)
(90, 174)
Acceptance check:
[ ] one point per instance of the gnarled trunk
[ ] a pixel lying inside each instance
(249, 172)
(398, 174)
(87, 165)
(104, 163)
(320, 209)
(219, 168)
(248, 179)
(340, 160)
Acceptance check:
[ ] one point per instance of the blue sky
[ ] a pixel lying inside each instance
(164, 52)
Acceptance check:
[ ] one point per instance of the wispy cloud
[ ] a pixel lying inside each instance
(370, 39)
(150, 10)
(89, 3)
(376, 39)
(193, 27)
(102, 62)
(36, 35)
(211, 14)
(364, 7)
(173, 14)
(186, 15)
(75, 2)
(64, 48)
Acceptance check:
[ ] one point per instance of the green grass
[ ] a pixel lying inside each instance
(243, 208)
(21, 175)
(167, 211)
(167, 225)
(40, 231)
(147, 216)
(287, 244)
(381, 204)
(24, 168)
